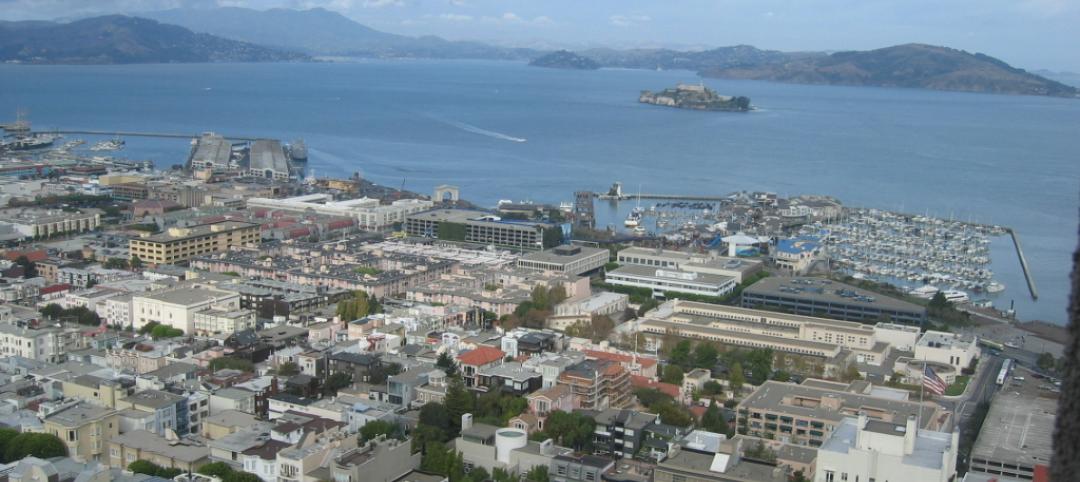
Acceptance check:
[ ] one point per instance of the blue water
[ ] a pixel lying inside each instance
(996, 159)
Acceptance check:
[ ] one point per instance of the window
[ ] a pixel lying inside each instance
(830, 476)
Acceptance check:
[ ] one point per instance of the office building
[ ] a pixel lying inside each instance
(176, 245)
(43, 223)
(369, 213)
(568, 258)
(671, 282)
(808, 413)
(482, 228)
(705, 263)
(950, 349)
(870, 450)
(830, 299)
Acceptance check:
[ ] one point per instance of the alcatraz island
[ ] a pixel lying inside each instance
(698, 97)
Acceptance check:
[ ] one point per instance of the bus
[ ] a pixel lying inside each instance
(1004, 373)
(991, 344)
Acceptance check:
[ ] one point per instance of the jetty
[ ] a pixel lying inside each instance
(664, 197)
(1024, 264)
(163, 135)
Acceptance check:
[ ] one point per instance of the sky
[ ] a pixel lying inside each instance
(1032, 34)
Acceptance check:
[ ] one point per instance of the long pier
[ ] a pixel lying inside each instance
(164, 135)
(664, 197)
(1024, 264)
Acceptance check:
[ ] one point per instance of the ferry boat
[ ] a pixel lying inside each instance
(114, 144)
(633, 220)
(956, 296)
(995, 287)
(924, 292)
(26, 143)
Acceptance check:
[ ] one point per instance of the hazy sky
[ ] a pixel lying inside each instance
(1032, 34)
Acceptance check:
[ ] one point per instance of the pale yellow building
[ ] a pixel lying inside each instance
(85, 429)
(184, 454)
(180, 244)
(99, 391)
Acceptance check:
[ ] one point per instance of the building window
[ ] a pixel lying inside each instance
(830, 476)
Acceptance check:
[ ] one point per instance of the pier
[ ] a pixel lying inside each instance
(163, 135)
(1024, 265)
(663, 197)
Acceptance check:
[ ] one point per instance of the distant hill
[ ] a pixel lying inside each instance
(321, 32)
(563, 59)
(118, 39)
(665, 59)
(909, 65)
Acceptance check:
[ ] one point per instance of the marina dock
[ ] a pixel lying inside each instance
(164, 135)
(664, 197)
(1024, 265)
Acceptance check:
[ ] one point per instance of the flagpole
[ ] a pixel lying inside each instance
(922, 388)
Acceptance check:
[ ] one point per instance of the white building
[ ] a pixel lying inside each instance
(368, 213)
(177, 307)
(42, 345)
(118, 310)
(216, 321)
(603, 303)
(569, 259)
(664, 280)
(869, 450)
(947, 348)
(901, 337)
(41, 223)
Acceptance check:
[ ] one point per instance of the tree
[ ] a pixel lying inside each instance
(539, 473)
(851, 373)
(459, 401)
(144, 467)
(938, 302)
(52, 311)
(447, 364)
(712, 387)
(288, 369)
(216, 469)
(29, 268)
(359, 306)
(651, 397)
(573, 430)
(673, 374)
(374, 428)
(435, 415)
(478, 474)
(713, 419)
(736, 379)
(230, 362)
(337, 381)
(680, 354)
(165, 331)
(705, 355)
(601, 326)
(40, 445)
(781, 376)
(6, 436)
(673, 414)
(1045, 362)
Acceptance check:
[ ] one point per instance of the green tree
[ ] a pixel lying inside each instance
(375, 428)
(1045, 362)
(232, 363)
(288, 369)
(938, 302)
(215, 469)
(573, 430)
(447, 364)
(435, 415)
(673, 374)
(538, 473)
(736, 378)
(144, 467)
(337, 381)
(135, 263)
(851, 373)
(705, 355)
(6, 436)
(459, 401)
(478, 474)
(115, 263)
(713, 419)
(680, 354)
(782, 376)
(40, 445)
(52, 311)
(165, 331)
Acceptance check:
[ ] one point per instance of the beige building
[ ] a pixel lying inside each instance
(807, 414)
(214, 321)
(99, 391)
(181, 244)
(41, 223)
(183, 454)
(85, 429)
(178, 307)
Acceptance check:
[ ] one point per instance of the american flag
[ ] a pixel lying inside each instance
(931, 381)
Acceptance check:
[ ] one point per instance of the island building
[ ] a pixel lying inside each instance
(831, 299)
(483, 228)
(808, 413)
(568, 258)
(861, 448)
(42, 223)
(1016, 440)
(267, 159)
(183, 243)
(369, 213)
(661, 280)
(836, 342)
(738, 268)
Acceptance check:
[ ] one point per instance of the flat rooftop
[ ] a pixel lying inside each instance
(770, 397)
(563, 254)
(671, 274)
(1019, 428)
(179, 234)
(823, 290)
(77, 415)
(188, 296)
(466, 216)
(268, 154)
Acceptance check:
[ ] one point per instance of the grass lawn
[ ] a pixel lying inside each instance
(958, 387)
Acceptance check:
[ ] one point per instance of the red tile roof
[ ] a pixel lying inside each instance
(619, 357)
(639, 381)
(481, 356)
(54, 288)
(33, 255)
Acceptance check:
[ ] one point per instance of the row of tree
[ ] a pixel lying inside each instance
(79, 314)
(359, 306)
(534, 312)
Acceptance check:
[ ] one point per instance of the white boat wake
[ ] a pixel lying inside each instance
(477, 130)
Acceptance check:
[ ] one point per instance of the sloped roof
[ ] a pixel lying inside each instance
(482, 355)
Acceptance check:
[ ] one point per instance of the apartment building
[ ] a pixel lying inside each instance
(184, 454)
(807, 414)
(42, 223)
(181, 244)
(597, 384)
(620, 433)
(864, 449)
(177, 307)
(482, 228)
(85, 429)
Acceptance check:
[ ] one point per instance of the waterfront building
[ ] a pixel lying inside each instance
(864, 449)
(181, 244)
(369, 213)
(267, 160)
(568, 258)
(831, 299)
(211, 151)
(483, 228)
(796, 255)
(662, 280)
(806, 414)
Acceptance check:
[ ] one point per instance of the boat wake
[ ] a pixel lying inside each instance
(477, 130)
